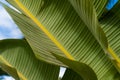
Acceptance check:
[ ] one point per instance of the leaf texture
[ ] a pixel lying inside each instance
(87, 13)
(110, 24)
(19, 55)
(11, 71)
(82, 69)
(68, 29)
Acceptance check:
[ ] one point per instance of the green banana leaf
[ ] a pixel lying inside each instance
(72, 33)
(87, 13)
(74, 65)
(84, 71)
(15, 63)
(61, 31)
(72, 75)
(11, 71)
(18, 55)
(110, 24)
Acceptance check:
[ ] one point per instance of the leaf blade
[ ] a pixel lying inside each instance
(11, 71)
(87, 13)
(21, 57)
(79, 42)
(82, 69)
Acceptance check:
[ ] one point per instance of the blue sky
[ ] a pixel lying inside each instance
(111, 3)
(8, 28)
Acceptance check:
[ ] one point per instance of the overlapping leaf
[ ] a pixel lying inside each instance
(87, 13)
(17, 54)
(85, 72)
(110, 24)
(100, 6)
(8, 69)
(64, 24)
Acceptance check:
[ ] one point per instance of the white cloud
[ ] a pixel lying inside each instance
(8, 29)
(16, 33)
(62, 71)
(5, 19)
(5, 2)
(6, 78)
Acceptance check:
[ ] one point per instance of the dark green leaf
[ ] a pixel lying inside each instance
(72, 75)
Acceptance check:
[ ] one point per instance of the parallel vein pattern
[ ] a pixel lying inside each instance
(66, 26)
(110, 25)
(86, 11)
(45, 30)
(19, 55)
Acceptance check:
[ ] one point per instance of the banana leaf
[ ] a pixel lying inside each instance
(8, 69)
(110, 25)
(72, 75)
(17, 54)
(50, 27)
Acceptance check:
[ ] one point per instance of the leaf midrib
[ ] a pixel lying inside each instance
(37, 22)
(109, 50)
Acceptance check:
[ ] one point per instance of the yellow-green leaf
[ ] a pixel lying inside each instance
(64, 24)
(18, 55)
